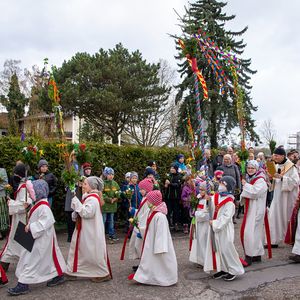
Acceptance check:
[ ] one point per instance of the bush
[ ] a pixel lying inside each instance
(122, 159)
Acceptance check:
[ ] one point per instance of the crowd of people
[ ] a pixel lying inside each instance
(203, 203)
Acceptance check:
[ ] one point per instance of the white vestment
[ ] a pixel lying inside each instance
(135, 244)
(92, 254)
(285, 196)
(254, 226)
(227, 258)
(199, 245)
(296, 248)
(45, 261)
(12, 250)
(158, 265)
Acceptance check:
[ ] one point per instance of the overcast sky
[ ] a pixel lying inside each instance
(31, 30)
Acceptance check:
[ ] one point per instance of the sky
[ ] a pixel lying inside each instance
(33, 29)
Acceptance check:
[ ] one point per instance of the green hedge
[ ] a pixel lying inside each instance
(122, 159)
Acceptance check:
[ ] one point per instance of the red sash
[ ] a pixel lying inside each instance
(3, 275)
(54, 256)
(266, 221)
(79, 227)
(129, 232)
(217, 208)
(23, 185)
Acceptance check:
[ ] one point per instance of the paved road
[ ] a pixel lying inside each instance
(271, 279)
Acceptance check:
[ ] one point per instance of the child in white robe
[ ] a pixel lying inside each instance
(88, 255)
(45, 261)
(17, 210)
(252, 229)
(158, 265)
(136, 240)
(221, 254)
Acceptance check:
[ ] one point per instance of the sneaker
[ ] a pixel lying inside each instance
(219, 275)
(3, 283)
(295, 258)
(113, 238)
(229, 277)
(56, 281)
(19, 289)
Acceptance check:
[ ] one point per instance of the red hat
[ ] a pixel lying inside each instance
(219, 173)
(146, 184)
(155, 198)
(86, 165)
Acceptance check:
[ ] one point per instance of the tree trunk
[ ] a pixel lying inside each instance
(115, 139)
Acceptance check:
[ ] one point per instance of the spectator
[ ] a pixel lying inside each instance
(209, 163)
(219, 158)
(182, 169)
(4, 217)
(188, 190)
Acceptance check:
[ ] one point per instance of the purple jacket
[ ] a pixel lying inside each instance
(186, 195)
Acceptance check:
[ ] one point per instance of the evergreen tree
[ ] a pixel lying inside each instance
(220, 110)
(14, 103)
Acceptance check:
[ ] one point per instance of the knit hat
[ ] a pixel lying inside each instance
(95, 183)
(20, 170)
(175, 166)
(42, 162)
(279, 151)
(41, 189)
(127, 175)
(229, 182)
(218, 173)
(134, 174)
(108, 171)
(253, 163)
(86, 165)
(146, 184)
(149, 171)
(179, 156)
(155, 198)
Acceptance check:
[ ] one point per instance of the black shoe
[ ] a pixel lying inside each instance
(56, 281)
(256, 258)
(272, 246)
(3, 283)
(295, 258)
(229, 277)
(5, 266)
(220, 275)
(134, 268)
(19, 289)
(248, 260)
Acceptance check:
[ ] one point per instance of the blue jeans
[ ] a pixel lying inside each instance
(110, 219)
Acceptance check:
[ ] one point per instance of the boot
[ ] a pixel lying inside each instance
(185, 228)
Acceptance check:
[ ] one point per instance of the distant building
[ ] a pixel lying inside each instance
(43, 125)
(294, 141)
(3, 124)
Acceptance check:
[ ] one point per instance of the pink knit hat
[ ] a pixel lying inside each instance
(155, 198)
(146, 184)
(219, 173)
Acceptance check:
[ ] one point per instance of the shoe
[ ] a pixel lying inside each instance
(5, 266)
(113, 238)
(256, 258)
(272, 246)
(219, 275)
(3, 283)
(229, 277)
(134, 268)
(56, 281)
(19, 289)
(101, 279)
(248, 260)
(295, 258)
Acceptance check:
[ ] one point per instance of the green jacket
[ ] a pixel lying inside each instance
(109, 192)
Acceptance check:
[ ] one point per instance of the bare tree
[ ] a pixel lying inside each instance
(268, 131)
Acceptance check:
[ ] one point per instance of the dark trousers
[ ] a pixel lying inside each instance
(173, 211)
(186, 219)
(70, 225)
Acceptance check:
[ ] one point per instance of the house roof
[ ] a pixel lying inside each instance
(4, 120)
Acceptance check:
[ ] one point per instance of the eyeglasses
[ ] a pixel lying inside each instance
(251, 168)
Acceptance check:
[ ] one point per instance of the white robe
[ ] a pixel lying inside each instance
(92, 254)
(254, 227)
(296, 248)
(199, 245)
(12, 250)
(158, 265)
(38, 265)
(285, 196)
(227, 258)
(136, 243)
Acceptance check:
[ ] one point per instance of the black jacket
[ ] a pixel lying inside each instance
(173, 191)
(50, 179)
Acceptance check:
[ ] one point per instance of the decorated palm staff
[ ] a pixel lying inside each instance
(45, 261)
(17, 210)
(158, 265)
(88, 254)
(252, 230)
